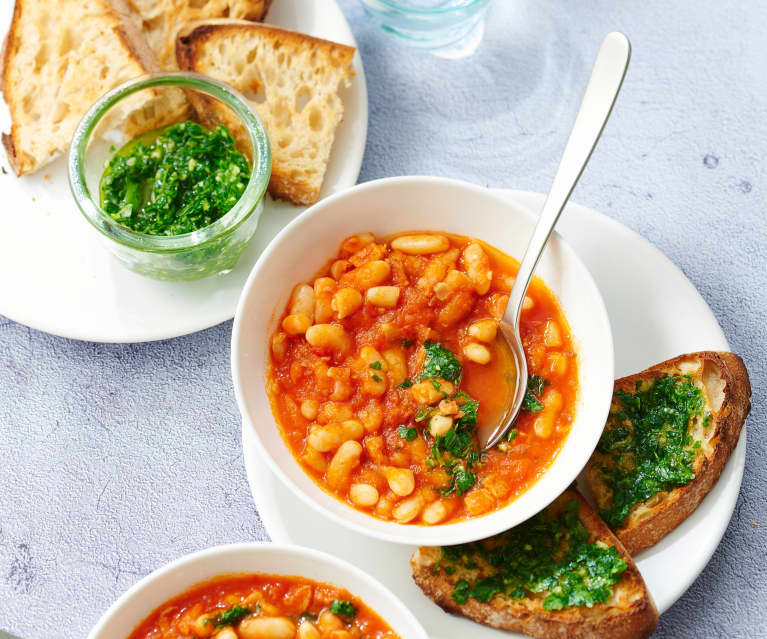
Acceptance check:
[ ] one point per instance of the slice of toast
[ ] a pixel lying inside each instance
(161, 20)
(724, 387)
(627, 612)
(292, 81)
(57, 61)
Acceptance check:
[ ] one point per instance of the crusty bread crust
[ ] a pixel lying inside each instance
(161, 20)
(649, 522)
(126, 45)
(630, 613)
(8, 43)
(194, 52)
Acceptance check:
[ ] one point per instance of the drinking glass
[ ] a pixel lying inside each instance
(447, 28)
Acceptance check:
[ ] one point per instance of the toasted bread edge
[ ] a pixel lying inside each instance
(637, 623)
(8, 44)
(130, 37)
(189, 43)
(682, 502)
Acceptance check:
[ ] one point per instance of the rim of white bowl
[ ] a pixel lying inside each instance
(256, 547)
(446, 534)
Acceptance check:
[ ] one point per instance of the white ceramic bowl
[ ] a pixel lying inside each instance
(172, 579)
(418, 203)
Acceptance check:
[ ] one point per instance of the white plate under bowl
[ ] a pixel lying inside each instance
(272, 559)
(57, 276)
(642, 289)
(389, 206)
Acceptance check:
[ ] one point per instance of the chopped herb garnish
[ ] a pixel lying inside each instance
(407, 343)
(406, 383)
(406, 433)
(456, 451)
(511, 435)
(440, 362)
(464, 480)
(422, 413)
(231, 617)
(375, 378)
(307, 616)
(435, 383)
(531, 401)
(342, 608)
(648, 441)
(376, 365)
(536, 383)
(548, 555)
(469, 408)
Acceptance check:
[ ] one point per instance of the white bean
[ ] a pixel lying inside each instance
(408, 509)
(439, 425)
(346, 458)
(266, 628)
(330, 336)
(434, 512)
(385, 296)
(478, 267)
(400, 480)
(420, 244)
(484, 330)
(346, 301)
(307, 630)
(363, 495)
(477, 353)
(296, 324)
(302, 301)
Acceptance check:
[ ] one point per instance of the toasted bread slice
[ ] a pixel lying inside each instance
(627, 613)
(160, 20)
(292, 80)
(723, 381)
(56, 62)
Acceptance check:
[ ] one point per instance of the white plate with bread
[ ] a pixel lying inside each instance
(57, 277)
(644, 293)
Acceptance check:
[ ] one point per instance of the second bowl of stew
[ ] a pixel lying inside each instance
(365, 354)
(258, 591)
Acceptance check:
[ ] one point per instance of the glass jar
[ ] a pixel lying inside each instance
(117, 117)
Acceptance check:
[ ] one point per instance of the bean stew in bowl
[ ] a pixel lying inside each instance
(258, 591)
(365, 355)
(385, 364)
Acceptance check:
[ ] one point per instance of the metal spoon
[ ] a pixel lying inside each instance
(602, 90)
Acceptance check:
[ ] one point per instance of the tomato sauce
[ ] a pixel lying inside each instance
(201, 611)
(369, 373)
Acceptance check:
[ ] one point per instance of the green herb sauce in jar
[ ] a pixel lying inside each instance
(174, 180)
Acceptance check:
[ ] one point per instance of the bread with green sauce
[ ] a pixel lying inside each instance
(560, 574)
(670, 431)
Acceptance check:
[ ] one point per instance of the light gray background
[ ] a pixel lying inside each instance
(117, 459)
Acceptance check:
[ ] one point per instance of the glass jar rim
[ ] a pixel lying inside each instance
(398, 6)
(254, 190)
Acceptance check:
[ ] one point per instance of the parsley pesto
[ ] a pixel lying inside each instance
(547, 556)
(648, 441)
(174, 180)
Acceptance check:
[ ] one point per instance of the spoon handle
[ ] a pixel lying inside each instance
(603, 87)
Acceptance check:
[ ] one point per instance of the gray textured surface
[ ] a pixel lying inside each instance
(117, 459)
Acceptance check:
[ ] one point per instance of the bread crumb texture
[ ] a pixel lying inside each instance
(292, 81)
(161, 20)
